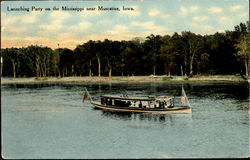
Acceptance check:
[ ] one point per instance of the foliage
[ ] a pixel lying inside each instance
(242, 46)
(187, 53)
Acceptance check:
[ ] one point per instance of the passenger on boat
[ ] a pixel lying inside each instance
(134, 103)
(161, 105)
(140, 105)
(128, 103)
(149, 104)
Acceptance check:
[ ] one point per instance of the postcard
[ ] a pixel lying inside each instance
(98, 79)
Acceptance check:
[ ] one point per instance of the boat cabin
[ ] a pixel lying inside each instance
(139, 102)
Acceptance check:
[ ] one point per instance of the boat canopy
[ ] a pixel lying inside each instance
(164, 98)
(150, 98)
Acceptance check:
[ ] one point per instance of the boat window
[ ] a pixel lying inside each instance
(120, 103)
(103, 100)
(108, 101)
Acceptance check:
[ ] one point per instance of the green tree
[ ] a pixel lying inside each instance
(14, 54)
(122, 55)
(243, 51)
(202, 63)
(90, 48)
(54, 63)
(168, 52)
(114, 58)
(151, 48)
(11, 58)
(193, 45)
(26, 65)
(82, 60)
(98, 53)
(107, 55)
(66, 63)
(242, 45)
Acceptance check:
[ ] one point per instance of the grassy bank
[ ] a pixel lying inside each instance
(117, 79)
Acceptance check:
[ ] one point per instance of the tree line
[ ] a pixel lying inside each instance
(180, 54)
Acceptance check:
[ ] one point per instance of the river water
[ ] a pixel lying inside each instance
(50, 121)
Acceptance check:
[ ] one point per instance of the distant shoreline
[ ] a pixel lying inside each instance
(128, 79)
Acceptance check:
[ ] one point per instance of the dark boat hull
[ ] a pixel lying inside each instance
(181, 109)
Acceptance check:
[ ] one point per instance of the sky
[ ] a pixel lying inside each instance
(60, 28)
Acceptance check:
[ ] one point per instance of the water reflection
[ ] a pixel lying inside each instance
(205, 89)
(117, 115)
(171, 118)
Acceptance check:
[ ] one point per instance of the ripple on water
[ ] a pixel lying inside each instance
(50, 121)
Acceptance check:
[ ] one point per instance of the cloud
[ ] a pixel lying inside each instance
(243, 15)
(184, 10)
(117, 29)
(125, 25)
(59, 15)
(106, 22)
(8, 43)
(42, 34)
(27, 18)
(7, 20)
(54, 26)
(30, 18)
(64, 39)
(165, 15)
(225, 20)
(208, 28)
(194, 9)
(56, 19)
(7, 24)
(156, 12)
(199, 18)
(111, 32)
(215, 10)
(235, 8)
(65, 36)
(33, 38)
(16, 29)
(203, 29)
(81, 26)
(145, 25)
(120, 28)
(149, 27)
(188, 10)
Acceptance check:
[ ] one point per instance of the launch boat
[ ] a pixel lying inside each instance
(151, 104)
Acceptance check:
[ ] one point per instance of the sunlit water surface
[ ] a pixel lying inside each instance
(50, 121)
